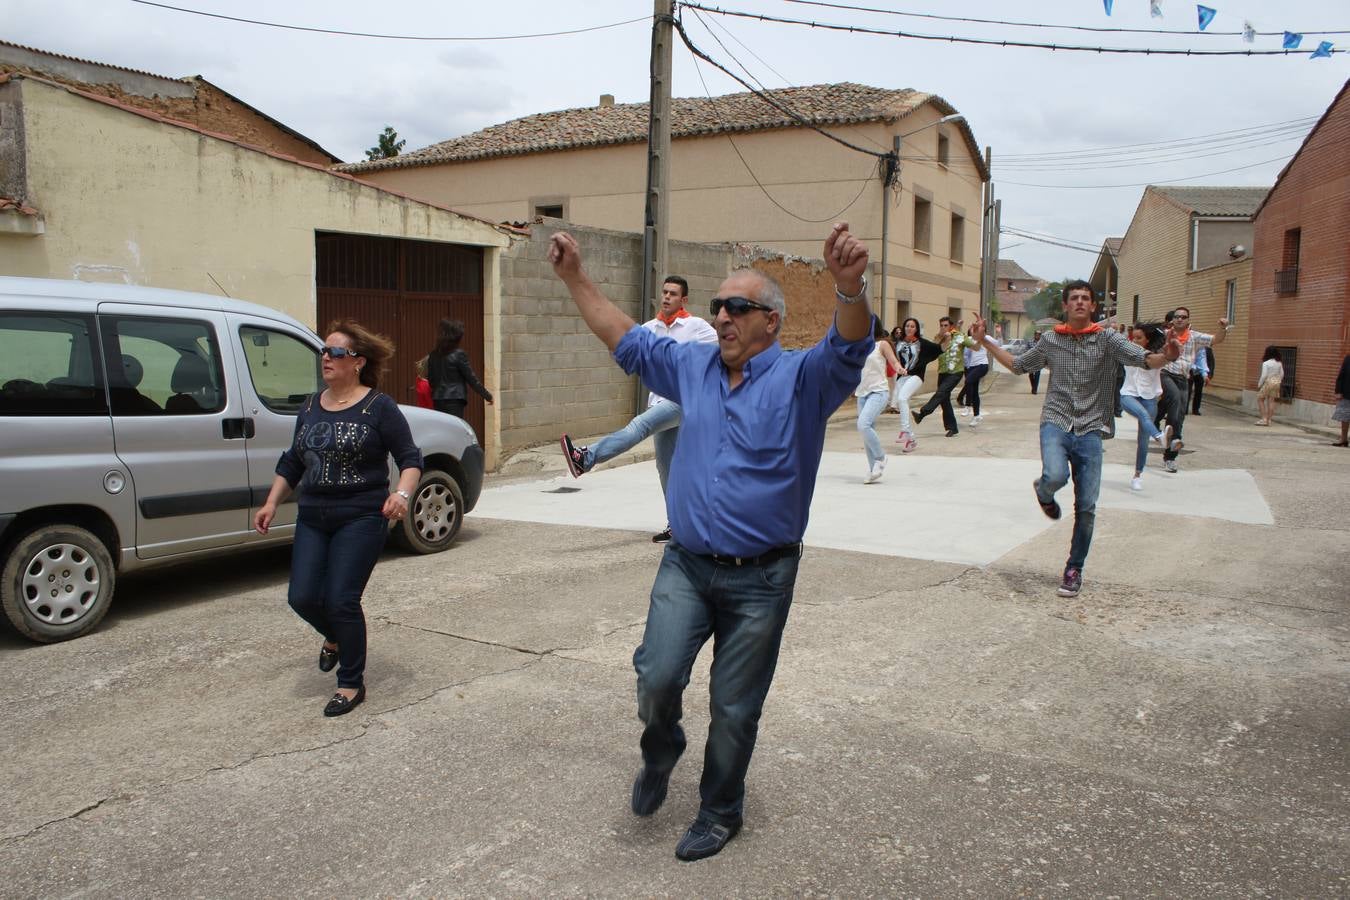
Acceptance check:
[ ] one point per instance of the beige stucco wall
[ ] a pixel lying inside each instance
(714, 198)
(137, 201)
(1154, 263)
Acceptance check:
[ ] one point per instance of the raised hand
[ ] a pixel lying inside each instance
(979, 329)
(564, 254)
(846, 257)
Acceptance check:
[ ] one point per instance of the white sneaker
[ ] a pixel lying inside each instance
(1158, 439)
(977, 420)
(874, 475)
(1136, 483)
(964, 411)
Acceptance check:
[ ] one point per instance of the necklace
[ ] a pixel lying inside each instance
(337, 400)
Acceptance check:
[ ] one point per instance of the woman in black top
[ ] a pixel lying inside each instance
(915, 353)
(339, 462)
(450, 373)
(1341, 412)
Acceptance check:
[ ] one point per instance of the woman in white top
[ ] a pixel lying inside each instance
(1268, 384)
(1139, 397)
(872, 392)
(977, 366)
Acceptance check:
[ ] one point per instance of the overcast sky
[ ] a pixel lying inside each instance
(341, 91)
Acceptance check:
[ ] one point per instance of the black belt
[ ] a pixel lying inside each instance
(771, 555)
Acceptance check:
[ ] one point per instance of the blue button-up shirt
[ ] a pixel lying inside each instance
(746, 461)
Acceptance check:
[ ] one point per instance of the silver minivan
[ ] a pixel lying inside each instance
(140, 427)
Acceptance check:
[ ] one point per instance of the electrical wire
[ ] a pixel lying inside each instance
(1033, 235)
(991, 42)
(1146, 183)
(1046, 241)
(765, 191)
(1199, 138)
(387, 37)
(1098, 28)
(1161, 160)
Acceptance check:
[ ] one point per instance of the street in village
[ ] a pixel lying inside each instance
(941, 724)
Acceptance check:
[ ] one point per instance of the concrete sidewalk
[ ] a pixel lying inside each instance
(939, 725)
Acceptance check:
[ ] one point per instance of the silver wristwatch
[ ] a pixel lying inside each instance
(846, 299)
(404, 494)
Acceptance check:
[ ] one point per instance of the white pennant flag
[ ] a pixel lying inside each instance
(1155, 8)
(1248, 32)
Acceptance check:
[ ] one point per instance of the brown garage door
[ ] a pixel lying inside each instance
(403, 288)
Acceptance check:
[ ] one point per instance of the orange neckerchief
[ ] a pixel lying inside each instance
(1183, 336)
(682, 314)
(1064, 328)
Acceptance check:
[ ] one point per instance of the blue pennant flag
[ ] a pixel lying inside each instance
(1291, 40)
(1205, 14)
(1323, 49)
(1107, 4)
(1155, 8)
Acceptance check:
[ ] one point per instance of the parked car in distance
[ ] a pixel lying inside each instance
(141, 427)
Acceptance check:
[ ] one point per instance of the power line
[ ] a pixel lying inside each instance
(992, 42)
(1160, 160)
(1048, 241)
(1033, 235)
(1146, 183)
(387, 37)
(1098, 28)
(1161, 145)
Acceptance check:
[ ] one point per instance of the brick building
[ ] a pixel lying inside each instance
(1191, 246)
(1301, 276)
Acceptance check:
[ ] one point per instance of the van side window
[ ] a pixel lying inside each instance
(283, 369)
(162, 367)
(49, 365)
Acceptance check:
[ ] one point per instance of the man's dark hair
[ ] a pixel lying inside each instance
(1078, 285)
(947, 319)
(675, 279)
(1180, 308)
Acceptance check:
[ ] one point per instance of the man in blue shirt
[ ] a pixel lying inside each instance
(739, 495)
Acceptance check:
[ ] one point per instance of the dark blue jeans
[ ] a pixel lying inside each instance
(334, 553)
(743, 609)
(1063, 453)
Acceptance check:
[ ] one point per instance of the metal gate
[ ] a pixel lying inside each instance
(403, 288)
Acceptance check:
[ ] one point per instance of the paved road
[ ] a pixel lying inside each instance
(941, 724)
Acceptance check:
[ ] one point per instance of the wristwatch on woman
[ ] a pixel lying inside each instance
(404, 494)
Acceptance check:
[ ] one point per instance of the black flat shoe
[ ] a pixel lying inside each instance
(340, 705)
(327, 659)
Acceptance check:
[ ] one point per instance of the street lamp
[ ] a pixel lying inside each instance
(890, 175)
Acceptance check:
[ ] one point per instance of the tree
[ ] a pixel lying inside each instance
(387, 145)
(1048, 302)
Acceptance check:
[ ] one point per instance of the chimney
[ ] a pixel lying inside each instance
(606, 101)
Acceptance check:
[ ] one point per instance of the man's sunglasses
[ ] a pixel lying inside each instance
(338, 352)
(737, 306)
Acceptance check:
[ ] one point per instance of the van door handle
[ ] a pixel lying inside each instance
(237, 429)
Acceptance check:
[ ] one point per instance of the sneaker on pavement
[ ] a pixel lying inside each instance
(1136, 483)
(705, 838)
(649, 791)
(1170, 465)
(977, 420)
(1072, 582)
(1051, 509)
(874, 474)
(1175, 445)
(662, 537)
(964, 411)
(918, 416)
(910, 444)
(953, 433)
(575, 456)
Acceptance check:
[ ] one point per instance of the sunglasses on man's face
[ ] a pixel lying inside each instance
(338, 352)
(737, 306)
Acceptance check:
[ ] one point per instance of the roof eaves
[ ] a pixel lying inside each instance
(280, 125)
(1340, 95)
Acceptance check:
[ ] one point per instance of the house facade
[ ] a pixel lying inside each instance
(1301, 274)
(741, 172)
(1191, 246)
(97, 190)
(1014, 286)
(1105, 279)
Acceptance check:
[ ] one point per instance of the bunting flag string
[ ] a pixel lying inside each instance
(1205, 16)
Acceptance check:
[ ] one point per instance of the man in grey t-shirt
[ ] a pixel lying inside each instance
(1082, 358)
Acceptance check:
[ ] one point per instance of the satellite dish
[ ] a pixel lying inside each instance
(1237, 251)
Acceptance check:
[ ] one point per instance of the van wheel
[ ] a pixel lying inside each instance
(434, 516)
(57, 583)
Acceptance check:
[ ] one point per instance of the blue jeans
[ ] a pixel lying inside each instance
(661, 420)
(869, 407)
(744, 610)
(1145, 411)
(334, 553)
(1061, 453)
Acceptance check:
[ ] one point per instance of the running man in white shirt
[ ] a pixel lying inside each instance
(661, 420)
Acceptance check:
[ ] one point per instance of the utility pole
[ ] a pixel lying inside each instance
(656, 221)
(988, 259)
(890, 175)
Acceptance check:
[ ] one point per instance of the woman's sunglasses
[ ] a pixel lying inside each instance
(338, 352)
(737, 306)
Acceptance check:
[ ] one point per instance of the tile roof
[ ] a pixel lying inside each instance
(1008, 268)
(626, 123)
(1215, 201)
